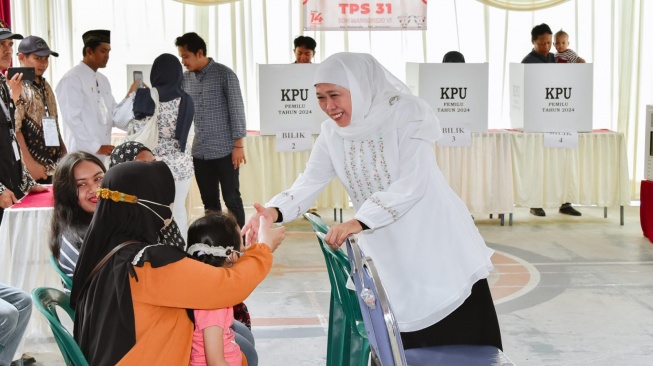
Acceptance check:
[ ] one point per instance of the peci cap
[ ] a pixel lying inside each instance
(97, 35)
(5, 32)
(35, 45)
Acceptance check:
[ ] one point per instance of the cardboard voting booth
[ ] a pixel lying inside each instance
(551, 97)
(287, 99)
(457, 92)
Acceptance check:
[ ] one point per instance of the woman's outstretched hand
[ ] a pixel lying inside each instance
(269, 235)
(251, 228)
(338, 233)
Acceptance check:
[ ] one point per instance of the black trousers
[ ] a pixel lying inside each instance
(474, 322)
(211, 175)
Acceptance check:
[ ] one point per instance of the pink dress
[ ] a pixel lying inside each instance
(222, 318)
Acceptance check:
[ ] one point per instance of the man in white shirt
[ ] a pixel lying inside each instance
(86, 101)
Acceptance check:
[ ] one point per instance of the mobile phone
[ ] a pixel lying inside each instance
(28, 72)
(138, 76)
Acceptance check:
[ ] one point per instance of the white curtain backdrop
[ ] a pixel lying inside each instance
(522, 5)
(611, 34)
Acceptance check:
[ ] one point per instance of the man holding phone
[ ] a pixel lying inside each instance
(15, 181)
(15, 305)
(86, 101)
(37, 128)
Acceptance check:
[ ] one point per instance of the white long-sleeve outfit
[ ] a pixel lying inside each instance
(87, 106)
(422, 238)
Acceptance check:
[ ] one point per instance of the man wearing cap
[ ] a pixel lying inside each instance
(15, 304)
(86, 101)
(15, 181)
(37, 129)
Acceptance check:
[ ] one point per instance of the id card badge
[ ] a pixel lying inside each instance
(16, 153)
(50, 134)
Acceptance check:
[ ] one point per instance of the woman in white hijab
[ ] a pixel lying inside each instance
(430, 256)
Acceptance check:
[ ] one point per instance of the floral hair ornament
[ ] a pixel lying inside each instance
(205, 249)
(115, 196)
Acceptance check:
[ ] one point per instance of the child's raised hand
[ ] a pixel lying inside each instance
(269, 235)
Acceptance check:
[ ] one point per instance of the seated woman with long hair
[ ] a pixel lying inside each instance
(130, 294)
(75, 180)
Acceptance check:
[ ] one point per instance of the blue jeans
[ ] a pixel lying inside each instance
(15, 311)
(245, 340)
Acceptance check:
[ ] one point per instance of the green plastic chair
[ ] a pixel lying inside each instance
(67, 281)
(347, 339)
(46, 300)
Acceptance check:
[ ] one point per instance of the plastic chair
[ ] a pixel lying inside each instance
(383, 331)
(347, 339)
(67, 281)
(46, 300)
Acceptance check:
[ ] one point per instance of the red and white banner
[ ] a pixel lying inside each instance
(321, 15)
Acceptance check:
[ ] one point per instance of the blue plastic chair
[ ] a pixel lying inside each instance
(46, 300)
(383, 332)
(347, 340)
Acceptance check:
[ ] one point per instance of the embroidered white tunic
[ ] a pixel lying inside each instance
(86, 106)
(422, 237)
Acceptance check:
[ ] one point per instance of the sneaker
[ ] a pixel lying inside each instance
(538, 212)
(568, 210)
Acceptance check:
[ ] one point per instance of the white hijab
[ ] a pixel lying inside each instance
(380, 102)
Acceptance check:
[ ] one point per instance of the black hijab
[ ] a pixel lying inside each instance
(127, 151)
(166, 76)
(104, 313)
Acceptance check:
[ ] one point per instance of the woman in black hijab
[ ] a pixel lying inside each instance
(125, 283)
(135, 151)
(174, 118)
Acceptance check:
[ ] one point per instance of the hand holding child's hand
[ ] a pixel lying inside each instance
(269, 235)
(251, 228)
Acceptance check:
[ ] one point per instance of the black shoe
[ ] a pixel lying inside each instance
(538, 212)
(24, 361)
(568, 210)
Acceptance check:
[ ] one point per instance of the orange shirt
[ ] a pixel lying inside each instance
(164, 332)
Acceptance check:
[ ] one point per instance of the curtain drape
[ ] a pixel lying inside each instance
(5, 11)
(206, 2)
(613, 35)
(522, 5)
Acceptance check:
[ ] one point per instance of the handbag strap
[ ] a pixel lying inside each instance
(98, 267)
(155, 97)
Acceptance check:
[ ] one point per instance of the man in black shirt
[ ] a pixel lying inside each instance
(541, 38)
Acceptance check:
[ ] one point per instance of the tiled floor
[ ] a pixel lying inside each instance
(569, 291)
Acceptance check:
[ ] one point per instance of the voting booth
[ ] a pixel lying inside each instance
(287, 99)
(457, 92)
(551, 97)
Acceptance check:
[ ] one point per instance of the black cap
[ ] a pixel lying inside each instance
(97, 35)
(35, 45)
(5, 32)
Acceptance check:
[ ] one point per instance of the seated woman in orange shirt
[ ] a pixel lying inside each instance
(130, 294)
